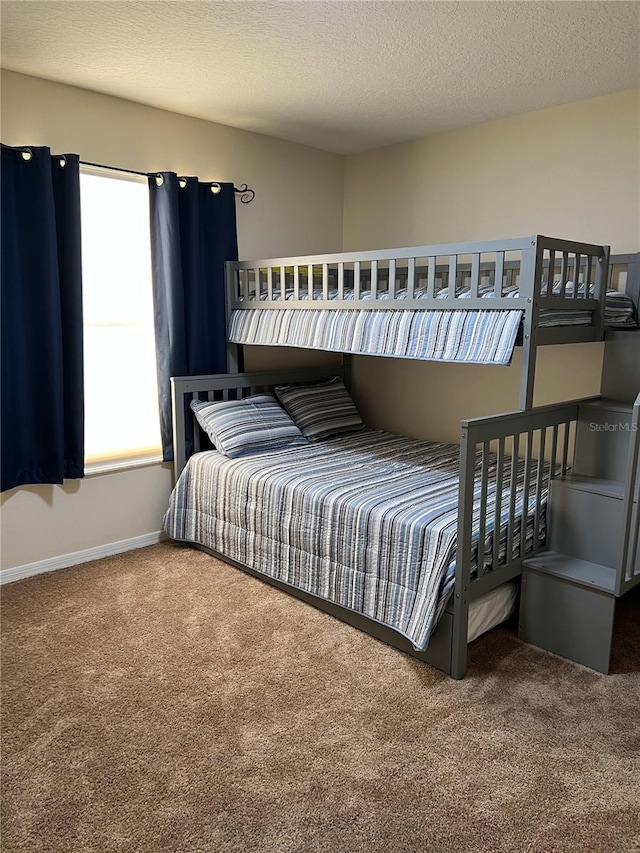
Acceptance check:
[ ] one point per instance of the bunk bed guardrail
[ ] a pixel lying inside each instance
(541, 441)
(394, 275)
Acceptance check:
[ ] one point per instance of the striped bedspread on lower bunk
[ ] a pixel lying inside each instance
(367, 520)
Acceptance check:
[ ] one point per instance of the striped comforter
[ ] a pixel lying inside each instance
(367, 520)
(471, 337)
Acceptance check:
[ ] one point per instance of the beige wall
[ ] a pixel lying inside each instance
(48, 521)
(571, 171)
(428, 400)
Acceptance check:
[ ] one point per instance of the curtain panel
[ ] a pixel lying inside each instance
(193, 232)
(42, 438)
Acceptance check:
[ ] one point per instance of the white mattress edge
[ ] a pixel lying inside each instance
(491, 609)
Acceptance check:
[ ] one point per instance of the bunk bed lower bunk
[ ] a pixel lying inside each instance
(381, 531)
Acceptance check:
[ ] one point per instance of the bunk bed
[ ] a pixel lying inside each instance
(426, 581)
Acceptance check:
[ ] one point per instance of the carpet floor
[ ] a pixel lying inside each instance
(160, 700)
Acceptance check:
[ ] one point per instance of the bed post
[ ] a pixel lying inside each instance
(600, 289)
(530, 286)
(346, 366)
(234, 351)
(234, 356)
(178, 415)
(463, 553)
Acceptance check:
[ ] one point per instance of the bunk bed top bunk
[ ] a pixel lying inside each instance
(461, 302)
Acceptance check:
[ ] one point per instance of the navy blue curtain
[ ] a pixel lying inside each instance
(42, 400)
(193, 232)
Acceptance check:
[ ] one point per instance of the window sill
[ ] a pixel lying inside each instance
(94, 469)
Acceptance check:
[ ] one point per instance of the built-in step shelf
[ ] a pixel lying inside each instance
(586, 518)
(595, 485)
(602, 439)
(568, 593)
(621, 365)
(608, 404)
(581, 572)
(567, 606)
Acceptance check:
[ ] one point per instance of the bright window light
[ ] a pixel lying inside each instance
(121, 400)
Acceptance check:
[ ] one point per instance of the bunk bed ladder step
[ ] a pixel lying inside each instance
(567, 606)
(621, 365)
(569, 592)
(586, 518)
(602, 439)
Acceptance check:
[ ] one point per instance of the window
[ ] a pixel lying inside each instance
(121, 402)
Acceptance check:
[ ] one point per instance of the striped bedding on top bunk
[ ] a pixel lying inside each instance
(366, 520)
(472, 337)
(619, 311)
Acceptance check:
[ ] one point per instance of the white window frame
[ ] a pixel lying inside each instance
(136, 457)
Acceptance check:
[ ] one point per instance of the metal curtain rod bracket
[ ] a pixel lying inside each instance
(245, 192)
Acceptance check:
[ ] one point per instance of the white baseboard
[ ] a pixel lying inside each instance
(18, 573)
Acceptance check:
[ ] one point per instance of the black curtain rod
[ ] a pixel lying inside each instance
(246, 194)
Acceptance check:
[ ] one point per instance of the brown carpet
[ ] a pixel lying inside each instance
(163, 701)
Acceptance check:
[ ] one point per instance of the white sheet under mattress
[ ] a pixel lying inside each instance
(491, 609)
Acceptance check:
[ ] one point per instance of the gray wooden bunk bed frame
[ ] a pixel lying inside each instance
(535, 263)
(532, 434)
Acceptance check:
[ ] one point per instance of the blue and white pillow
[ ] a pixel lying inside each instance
(253, 425)
(320, 410)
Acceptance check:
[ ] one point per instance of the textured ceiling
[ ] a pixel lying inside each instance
(343, 76)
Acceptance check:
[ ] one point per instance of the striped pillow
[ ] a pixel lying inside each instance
(320, 410)
(253, 425)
